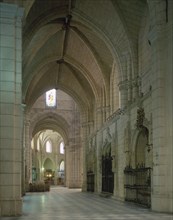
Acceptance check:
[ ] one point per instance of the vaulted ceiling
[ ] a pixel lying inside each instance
(72, 45)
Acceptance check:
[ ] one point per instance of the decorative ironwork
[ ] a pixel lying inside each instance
(107, 174)
(140, 118)
(149, 147)
(117, 113)
(138, 184)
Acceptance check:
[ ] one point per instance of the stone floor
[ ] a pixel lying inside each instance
(72, 204)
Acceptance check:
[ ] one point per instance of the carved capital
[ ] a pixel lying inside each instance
(123, 85)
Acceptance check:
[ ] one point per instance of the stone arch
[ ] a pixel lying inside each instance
(106, 151)
(140, 140)
(50, 121)
(49, 170)
(99, 30)
(114, 89)
(89, 92)
(49, 163)
(141, 143)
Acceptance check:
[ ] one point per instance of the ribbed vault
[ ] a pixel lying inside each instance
(59, 53)
(73, 45)
(50, 121)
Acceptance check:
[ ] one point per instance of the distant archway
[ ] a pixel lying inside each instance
(49, 171)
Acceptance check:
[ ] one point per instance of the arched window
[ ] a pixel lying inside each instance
(32, 144)
(141, 144)
(48, 147)
(38, 144)
(51, 98)
(61, 167)
(62, 148)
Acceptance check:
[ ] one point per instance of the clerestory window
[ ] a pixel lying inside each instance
(48, 147)
(62, 148)
(51, 98)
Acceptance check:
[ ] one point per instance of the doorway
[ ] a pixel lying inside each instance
(107, 174)
(138, 178)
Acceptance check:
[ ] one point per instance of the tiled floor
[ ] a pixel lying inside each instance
(72, 204)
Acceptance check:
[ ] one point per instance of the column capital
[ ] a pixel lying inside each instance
(89, 123)
(123, 85)
(27, 122)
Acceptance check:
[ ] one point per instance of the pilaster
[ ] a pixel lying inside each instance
(162, 46)
(27, 147)
(84, 146)
(10, 110)
(123, 88)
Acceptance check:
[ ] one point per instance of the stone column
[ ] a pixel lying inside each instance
(169, 108)
(106, 109)
(99, 118)
(73, 175)
(67, 165)
(123, 88)
(27, 146)
(23, 152)
(99, 142)
(84, 147)
(71, 166)
(90, 126)
(10, 110)
(114, 153)
(135, 88)
(129, 76)
(73, 154)
(162, 55)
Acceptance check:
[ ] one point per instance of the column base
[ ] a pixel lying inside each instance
(10, 207)
(162, 203)
(84, 187)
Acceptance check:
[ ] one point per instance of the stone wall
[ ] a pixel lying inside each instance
(155, 79)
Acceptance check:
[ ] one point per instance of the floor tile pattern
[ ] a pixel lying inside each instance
(72, 204)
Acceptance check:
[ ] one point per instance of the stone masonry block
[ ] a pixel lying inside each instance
(7, 65)
(7, 76)
(7, 41)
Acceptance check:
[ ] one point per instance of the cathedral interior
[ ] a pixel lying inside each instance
(86, 99)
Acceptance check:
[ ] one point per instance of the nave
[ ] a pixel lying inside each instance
(72, 204)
